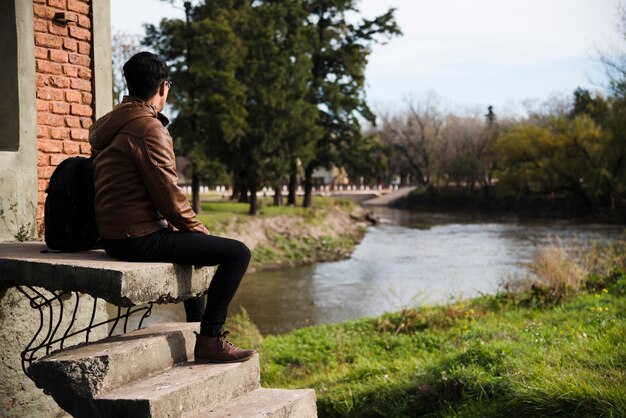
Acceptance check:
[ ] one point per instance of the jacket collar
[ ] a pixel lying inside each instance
(160, 116)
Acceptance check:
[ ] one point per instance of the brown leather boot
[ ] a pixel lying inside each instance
(219, 350)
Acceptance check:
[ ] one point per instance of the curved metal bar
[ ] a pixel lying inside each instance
(126, 319)
(146, 314)
(46, 304)
(59, 299)
(93, 316)
(32, 341)
(117, 319)
(69, 327)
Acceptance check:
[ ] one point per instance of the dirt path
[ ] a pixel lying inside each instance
(388, 198)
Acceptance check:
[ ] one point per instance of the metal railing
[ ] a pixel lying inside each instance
(52, 306)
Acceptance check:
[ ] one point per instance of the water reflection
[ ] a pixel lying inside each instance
(409, 258)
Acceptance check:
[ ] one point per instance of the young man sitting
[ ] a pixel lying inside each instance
(142, 214)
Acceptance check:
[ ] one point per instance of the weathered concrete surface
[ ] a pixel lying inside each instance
(266, 403)
(91, 369)
(148, 373)
(97, 274)
(181, 390)
(19, 398)
(132, 375)
(18, 120)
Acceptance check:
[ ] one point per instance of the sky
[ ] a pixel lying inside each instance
(470, 53)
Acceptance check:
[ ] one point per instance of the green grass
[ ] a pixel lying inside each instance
(216, 215)
(285, 250)
(298, 250)
(488, 357)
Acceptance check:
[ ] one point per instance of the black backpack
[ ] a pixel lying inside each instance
(69, 216)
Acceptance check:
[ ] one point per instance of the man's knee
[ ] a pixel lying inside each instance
(243, 251)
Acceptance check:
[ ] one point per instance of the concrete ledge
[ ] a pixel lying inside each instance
(97, 274)
(267, 403)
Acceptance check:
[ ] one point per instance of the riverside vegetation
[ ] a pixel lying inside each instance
(286, 236)
(550, 345)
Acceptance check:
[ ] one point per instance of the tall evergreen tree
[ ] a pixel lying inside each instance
(204, 52)
(340, 50)
(280, 119)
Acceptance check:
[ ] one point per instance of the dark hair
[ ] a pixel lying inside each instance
(144, 72)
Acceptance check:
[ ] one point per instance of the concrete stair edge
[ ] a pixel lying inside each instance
(266, 403)
(96, 367)
(180, 390)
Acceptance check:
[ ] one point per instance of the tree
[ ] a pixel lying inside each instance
(204, 52)
(281, 122)
(123, 46)
(416, 134)
(339, 53)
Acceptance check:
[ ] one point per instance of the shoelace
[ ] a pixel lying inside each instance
(223, 342)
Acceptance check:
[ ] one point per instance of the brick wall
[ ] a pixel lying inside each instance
(63, 63)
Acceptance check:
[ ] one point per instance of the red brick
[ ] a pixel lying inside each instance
(87, 98)
(71, 148)
(50, 146)
(61, 4)
(60, 133)
(78, 6)
(42, 186)
(86, 122)
(70, 44)
(42, 106)
(85, 149)
(41, 25)
(81, 110)
(57, 159)
(57, 29)
(50, 94)
(73, 96)
(43, 160)
(80, 33)
(79, 134)
(42, 11)
(72, 121)
(60, 108)
(84, 73)
(57, 55)
(84, 22)
(70, 70)
(44, 173)
(79, 59)
(41, 53)
(48, 67)
(47, 40)
(42, 80)
(79, 84)
(84, 48)
(60, 82)
(41, 199)
(39, 1)
(49, 119)
(43, 132)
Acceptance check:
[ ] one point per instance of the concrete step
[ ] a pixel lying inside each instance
(75, 375)
(266, 403)
(181, 390)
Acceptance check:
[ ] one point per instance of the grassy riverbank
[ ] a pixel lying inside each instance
(551, 347)
(282, 236)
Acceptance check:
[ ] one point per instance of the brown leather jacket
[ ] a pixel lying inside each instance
(135, 174)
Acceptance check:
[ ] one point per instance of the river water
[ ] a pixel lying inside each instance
(410, 258)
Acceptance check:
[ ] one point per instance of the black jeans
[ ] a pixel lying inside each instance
(197, 249)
